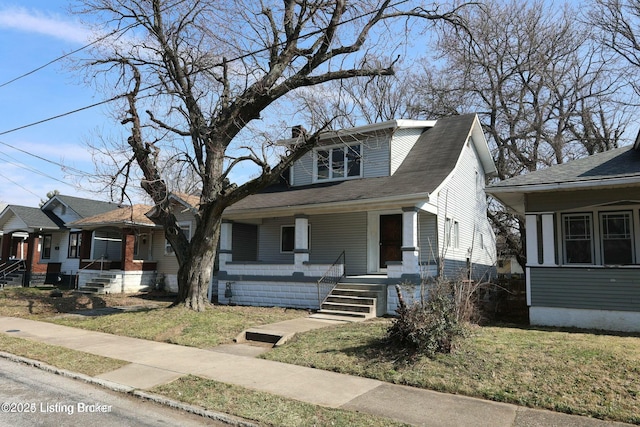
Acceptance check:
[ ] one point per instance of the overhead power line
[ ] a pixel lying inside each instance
(106, 101)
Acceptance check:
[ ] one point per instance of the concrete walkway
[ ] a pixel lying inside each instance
(153, 363)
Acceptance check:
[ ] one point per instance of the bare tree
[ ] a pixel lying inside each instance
(197, 73)
(544, 91)
(619, 25)
(363, 100)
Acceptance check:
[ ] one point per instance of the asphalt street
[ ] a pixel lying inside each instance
(30, 397)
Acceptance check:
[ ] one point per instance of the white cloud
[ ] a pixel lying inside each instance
(47, 24)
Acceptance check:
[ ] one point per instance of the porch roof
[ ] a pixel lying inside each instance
(30, 219)
(127, 216)
(83, 207)
(430, 161)
(619, 167)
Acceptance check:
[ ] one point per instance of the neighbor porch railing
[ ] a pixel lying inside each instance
(10, 267)
(331, 277)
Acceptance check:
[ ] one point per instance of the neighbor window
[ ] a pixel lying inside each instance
(46, 247)
(186, 229)
(617, 237)
(339, 162)
(578, 241)
(75, 241)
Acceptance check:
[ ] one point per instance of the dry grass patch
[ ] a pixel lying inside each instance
(576, 372)
(178, 325)
(264, 408)
(38, 303)
(60, 357)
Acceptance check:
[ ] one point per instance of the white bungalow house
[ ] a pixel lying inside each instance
(48, 250)
(372, 206)
(582, 240)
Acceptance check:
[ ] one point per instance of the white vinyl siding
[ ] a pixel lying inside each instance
(463, 201)
(330, 235)
(402, 142)
(375, 159)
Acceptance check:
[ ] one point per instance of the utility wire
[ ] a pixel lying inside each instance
(69, 168)
(18, 184)
(243, 56)
(17, 164)
(120, 30)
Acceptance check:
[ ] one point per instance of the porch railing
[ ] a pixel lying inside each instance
(331, 277)
(86, 267)
(10, 267)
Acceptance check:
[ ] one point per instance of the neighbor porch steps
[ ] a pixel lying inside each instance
(12, 280)
(98, 285)
(353, 302)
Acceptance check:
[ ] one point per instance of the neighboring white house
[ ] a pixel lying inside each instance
(381, 204)
(39, 237)
(582, 240)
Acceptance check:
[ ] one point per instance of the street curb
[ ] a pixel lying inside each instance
(161, 400)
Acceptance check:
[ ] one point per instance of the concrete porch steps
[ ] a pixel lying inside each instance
(98, 285)
(353, 302)
(12, 280)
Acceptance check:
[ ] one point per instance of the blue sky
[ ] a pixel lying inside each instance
(32, 33)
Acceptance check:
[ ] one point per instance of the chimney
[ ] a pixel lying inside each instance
(298, 131)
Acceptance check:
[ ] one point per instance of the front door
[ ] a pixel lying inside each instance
(390, 239)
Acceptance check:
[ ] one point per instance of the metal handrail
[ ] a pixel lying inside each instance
(75, 285)
(332, 276)
(10, 267)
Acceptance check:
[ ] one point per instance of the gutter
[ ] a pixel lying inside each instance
(328, 207)
(600, 182)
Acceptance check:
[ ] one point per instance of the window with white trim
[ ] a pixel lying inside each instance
(616, 238)
(75, 242)
(451, 233)
(186, 229)
(577, 234)
(338, 163)
(46, 247)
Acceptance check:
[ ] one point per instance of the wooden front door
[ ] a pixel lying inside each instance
(390, 239)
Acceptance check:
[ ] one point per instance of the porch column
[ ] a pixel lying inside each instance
(410, 249)
(6, 246)
(548, 240)
(531, 224)
(226, 244)
(128, 249)
(301, 246)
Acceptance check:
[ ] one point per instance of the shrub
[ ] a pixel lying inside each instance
(430, 326)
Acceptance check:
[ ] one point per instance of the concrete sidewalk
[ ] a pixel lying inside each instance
(153, 363)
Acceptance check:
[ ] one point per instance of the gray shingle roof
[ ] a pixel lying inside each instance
(35, 219)
(86, 207)
(619, 163)
(429, 162)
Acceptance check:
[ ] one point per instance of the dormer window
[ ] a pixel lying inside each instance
(340, 162)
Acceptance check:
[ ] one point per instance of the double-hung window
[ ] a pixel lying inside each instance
(617, 238)
(452, 233)
(46, 246)
(339, 162)
(578, 241)
(75, 242)
(185, 227)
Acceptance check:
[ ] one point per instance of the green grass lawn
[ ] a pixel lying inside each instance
(178, 325)
(574, 372)
(577, 372)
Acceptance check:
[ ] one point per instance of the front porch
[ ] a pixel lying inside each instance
(281, 261)
(116, 261)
